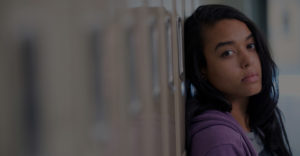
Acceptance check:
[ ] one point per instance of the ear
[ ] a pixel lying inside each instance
(203, 73)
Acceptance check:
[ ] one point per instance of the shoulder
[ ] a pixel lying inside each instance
(216, 132)
(213, 121)
(225, 150)
(221, 133)
(216, 139)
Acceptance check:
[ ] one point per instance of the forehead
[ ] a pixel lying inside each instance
(226, 30)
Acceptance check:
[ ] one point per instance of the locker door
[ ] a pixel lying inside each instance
(179, 85)
(154, 44)
(17, 92)
(144, 59)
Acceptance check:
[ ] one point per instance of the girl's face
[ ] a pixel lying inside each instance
(233, 65)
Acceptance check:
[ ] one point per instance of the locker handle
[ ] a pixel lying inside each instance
(169, 52)
(154, 37)
(180, 49)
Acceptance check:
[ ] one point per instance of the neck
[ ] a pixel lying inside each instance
(239, 112)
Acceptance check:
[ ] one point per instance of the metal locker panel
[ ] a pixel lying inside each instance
(195, 3)
(100, 127)
(66, 80)
(119, 89)
(155, 50)
(91, 31)
(109, 88)
(91, 28)
(236, 4)
(167, 83)
(131, 105)
(131, 94)
(154, 3)
(117, 79)
(179, 7)
(170, 82)
(175, 87)
(113, 81)
(166, 147)
(134, 106)
(203, 2)
(188, 8)
(144, 71)
(179, 84)
(136, 3)
(12, 92)
(100, 79)
(152, 109)
(168, 5)
(137, 112)
(138, 107)
(179, 47)
(18, 99)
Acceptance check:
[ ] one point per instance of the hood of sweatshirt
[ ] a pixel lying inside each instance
(214, 118)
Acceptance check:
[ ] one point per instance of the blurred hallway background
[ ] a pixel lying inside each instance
(284, 37)
(106, 77)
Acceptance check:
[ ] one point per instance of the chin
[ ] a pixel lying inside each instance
(254, 91)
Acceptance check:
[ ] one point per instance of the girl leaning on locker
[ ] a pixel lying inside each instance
(232, 92)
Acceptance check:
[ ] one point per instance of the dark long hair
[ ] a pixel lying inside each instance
(263, 112)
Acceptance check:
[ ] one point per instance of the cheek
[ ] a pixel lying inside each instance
(219, 69)
(221, 74)
(258, 63)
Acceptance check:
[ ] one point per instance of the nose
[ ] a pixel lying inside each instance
(246, 59)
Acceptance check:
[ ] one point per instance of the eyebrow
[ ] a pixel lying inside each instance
(230, 42)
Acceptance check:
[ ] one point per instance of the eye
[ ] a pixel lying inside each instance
(227, 53)
(251, 46)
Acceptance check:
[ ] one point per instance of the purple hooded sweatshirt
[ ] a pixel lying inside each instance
(215, 133)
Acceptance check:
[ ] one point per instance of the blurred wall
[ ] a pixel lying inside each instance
(284, 37)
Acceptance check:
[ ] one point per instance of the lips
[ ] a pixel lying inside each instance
(250, 78)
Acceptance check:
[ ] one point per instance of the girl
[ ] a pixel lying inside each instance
(232, 87)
